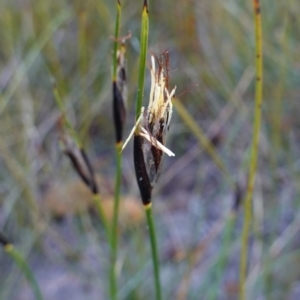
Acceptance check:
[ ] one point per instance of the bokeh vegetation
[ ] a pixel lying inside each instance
(48, 213)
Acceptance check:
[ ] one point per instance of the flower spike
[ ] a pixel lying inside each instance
(151, 128)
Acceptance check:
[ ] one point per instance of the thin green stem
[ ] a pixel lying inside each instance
(150, 222)
(101, 214)
(254, 148)
(143, 57)
(83, 18)
(66, 122)
(116, 42)
(114, 231)
(23, 266)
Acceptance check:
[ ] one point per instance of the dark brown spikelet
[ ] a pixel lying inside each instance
(93, 184)
(120, 94)
(141, 170)
(80, 162)
(157, 153)
(87, 177)
(158, 126)
(146, 5)
(3, 240)
(119, 112)
(163, 62)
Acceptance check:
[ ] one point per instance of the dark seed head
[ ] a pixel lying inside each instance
(146, 5)
(3, 240)
(157, 157)
(80, 162)
(141, 170)
(120, 93)
(119, 112)
(92, 183)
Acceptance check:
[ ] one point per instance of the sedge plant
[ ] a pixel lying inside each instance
(146, 188)
(149, 133)
(149, 146)
(119, 90)
(22, 265)
(254, 148)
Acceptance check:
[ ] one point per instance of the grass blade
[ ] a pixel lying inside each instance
(22, 265)
(254, 147)
(143, 57)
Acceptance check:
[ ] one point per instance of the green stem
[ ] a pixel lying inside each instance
(116, 42)
(254, 148)
(114, 231)
(100, 211)
(83, 17)
(140, 93)
(23, 266)
(143, 57)
(150, 222)
(66, 122)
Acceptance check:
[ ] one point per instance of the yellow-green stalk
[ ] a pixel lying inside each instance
(143, 57)
(254, 148)
(22, 265)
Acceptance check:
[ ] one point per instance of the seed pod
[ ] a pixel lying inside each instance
(3, 240)
(79, 161)
(120, 94)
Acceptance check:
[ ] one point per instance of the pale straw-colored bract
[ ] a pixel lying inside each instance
(156, 119)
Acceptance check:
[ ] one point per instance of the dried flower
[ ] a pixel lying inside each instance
(151, 128)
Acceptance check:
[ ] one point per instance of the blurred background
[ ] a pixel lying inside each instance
(48, 213)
